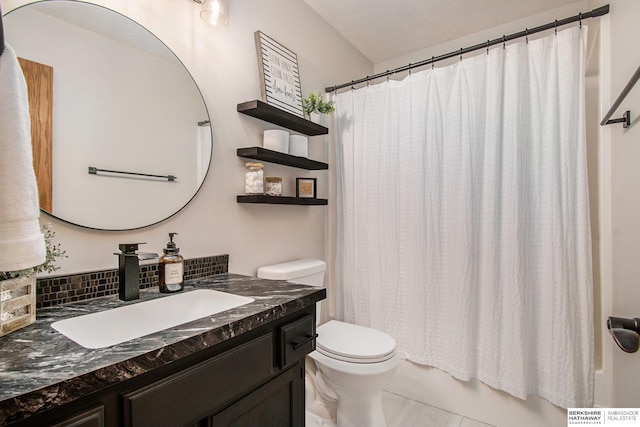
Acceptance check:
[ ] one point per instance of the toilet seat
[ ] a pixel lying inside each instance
(354, 343)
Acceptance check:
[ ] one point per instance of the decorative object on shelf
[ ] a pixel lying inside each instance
(313, 105)
(18, 288)
(273, 186)
(306, 188)
(214, 12)
(279, 75)
(276, 140)
(254, 178)
(299, 146)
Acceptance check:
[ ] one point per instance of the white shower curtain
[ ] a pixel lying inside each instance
(463, 217)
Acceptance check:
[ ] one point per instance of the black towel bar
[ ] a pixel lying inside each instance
(626, 117)
(94, 171)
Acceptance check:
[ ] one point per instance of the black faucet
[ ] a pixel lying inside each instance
(129, 270)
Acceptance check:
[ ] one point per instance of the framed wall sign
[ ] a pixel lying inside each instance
(279, 75)
(306, 188)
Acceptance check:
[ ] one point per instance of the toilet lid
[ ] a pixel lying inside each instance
(354, 343)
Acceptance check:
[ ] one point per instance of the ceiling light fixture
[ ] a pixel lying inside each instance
(215, 12)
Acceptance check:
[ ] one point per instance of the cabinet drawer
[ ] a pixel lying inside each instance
(297, 339)
(196, 392)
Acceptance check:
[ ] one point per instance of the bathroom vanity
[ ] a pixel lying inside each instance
(241, 367)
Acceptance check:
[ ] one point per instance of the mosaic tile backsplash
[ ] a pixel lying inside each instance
(54, 290)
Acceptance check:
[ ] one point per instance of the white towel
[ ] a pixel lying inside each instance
(21, 241)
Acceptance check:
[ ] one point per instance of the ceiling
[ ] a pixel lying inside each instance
(385, 29)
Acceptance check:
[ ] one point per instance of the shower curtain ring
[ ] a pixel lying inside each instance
(352, 88)
(556, 28)
(487, 47)
(409, 69)
(388, 72)
(580, 20)
(460, 54)
(526, 35)
(504, 42)
(368, 81)
(433, 62)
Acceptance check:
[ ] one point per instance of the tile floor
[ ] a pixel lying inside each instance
(403, 412)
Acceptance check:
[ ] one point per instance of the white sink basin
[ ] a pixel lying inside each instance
(115, 326)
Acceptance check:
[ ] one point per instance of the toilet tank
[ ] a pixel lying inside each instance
(303, 271)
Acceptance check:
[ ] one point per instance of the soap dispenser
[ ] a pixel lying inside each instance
(171, 268)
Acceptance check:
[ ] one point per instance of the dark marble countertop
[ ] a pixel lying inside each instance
(41, 368)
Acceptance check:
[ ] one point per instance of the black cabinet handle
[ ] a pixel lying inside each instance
(302, 341)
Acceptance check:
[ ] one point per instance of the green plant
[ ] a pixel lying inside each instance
(314, 103)
(54, 251)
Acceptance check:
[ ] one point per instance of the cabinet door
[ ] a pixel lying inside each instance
(91, 418)
(198, 391)
(279, 403)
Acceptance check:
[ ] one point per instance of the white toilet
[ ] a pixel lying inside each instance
(355, 361)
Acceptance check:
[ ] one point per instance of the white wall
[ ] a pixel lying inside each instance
(224, 64)
(624, 146)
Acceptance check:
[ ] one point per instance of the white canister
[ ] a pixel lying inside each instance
(299, 145)
(254, 178)
(276, 140)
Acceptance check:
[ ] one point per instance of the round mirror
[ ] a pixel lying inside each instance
(120, 130)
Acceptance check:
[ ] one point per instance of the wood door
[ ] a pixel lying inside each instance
(39, 79)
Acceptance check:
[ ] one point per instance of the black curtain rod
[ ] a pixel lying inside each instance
(600, 11)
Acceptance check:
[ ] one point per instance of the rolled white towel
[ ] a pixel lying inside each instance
(21, 241)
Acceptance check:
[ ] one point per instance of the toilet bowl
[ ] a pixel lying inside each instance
(351, 364)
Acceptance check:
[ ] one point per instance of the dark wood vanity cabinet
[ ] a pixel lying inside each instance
(254, 379)
(90, 418)
(279, 402)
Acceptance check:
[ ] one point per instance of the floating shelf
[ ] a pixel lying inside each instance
(263, 111)
(281, 200)
(259, 153)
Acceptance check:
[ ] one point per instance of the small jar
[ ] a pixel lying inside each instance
(273, 186)
(254, 179)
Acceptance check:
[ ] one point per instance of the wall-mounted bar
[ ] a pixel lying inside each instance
(600, 11)
(94, 171)
(626, 117)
